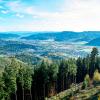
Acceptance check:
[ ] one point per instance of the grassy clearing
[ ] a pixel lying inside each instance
(65, 94)
(87, 94)
(91, 93)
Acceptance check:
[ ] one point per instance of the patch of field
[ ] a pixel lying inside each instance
(65, 94)
(74, 93)
(88, 94)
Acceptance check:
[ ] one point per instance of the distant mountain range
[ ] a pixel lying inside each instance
(7, 46)
(34, 46)
(94, 42)
(5, 35)
(92, 37)
(65, 36)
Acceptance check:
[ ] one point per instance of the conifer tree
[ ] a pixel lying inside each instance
(28, 80)
(9, 77)
(52, 74)
(93, 57)
(2, 91)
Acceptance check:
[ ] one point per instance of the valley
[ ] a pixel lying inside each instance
(37, 46)
(51, 66)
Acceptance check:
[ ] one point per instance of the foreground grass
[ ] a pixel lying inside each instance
(74, 93)
(87, 94)
(65, 94)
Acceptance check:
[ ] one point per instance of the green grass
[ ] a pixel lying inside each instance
(87, 93)
(65, 94)
(91, 93)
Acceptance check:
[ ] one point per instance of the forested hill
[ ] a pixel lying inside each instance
(66, 35)
(94, 42)
(20, 81)
(8, 35)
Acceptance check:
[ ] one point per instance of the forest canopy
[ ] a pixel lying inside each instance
(21, 81)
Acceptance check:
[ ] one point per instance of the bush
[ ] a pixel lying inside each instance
(86, 82)
(96, 77)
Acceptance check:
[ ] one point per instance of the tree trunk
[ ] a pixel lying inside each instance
(66, 81)
(69, 81)
(63, 83)
(43, 90)
(75, 83)
(51, 89)
(72, 85)
(23, 93)
(22, 86)
(15, 95)
(73, 79)
(30, 94)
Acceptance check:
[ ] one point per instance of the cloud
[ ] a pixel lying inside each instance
(21, 8)
(1, 7)
(19, 15)
(78, 15)
(75, 15)
(29, 10)
(14, 6)
(4, 11)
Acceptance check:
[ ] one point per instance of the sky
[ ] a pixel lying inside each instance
(49, 15)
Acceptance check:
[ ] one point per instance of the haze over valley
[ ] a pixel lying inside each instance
(35, 46)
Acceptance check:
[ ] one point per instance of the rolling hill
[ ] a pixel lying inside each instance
(5, 35)
(65, 36)
(94, 42)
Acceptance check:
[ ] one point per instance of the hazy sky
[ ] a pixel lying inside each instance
(49, 15)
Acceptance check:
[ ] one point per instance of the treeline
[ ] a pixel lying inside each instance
(21, 81)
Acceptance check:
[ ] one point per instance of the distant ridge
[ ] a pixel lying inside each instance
(64, 36)
(5, 35)
(94, 42)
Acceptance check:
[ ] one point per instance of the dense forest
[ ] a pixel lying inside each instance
(21, 81)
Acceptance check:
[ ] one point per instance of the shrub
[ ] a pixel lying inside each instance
(96, 76)
(86, 82)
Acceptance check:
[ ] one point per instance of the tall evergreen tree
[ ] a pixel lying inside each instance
(2, 91)
(28, 81)
(41, 79)
(93, 57)
(52, 74)
(21, 79)
(62, 75)
(9, 77)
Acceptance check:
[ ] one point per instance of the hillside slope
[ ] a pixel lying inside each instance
(94, 42)
(64, 36)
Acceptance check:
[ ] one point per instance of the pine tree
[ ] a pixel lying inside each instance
(21, 78)
(2, 86)
(28, 80)
(41, 79)
(9, 77)
(62, 75)
(52, 74)
(72, 70)
(93, 57)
